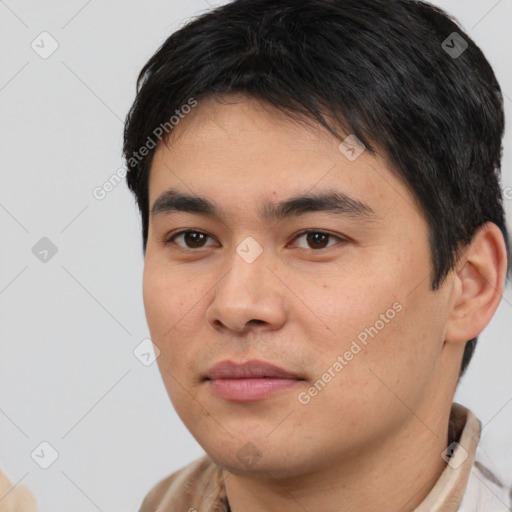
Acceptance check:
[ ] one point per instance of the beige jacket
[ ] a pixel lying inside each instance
(462, 487)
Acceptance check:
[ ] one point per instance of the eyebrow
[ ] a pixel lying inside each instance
(330, 202)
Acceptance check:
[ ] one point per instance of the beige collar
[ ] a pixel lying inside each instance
(448, 491)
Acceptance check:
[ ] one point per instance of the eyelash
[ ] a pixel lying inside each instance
(171, 239)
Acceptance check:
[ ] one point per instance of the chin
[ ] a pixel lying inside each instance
(246, 458)
(262, 468)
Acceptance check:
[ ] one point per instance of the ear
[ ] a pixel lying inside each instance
(479, 281)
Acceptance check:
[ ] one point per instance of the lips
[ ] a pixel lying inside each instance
(248, 370)
(249, 382)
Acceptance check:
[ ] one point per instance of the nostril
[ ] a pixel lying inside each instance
(256, 321)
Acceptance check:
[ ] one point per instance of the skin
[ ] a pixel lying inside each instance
(383, 419)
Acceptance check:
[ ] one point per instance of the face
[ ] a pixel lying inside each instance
(332, 290)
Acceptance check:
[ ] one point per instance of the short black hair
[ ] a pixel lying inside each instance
(391, 72)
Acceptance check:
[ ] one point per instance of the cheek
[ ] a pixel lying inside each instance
(173, 309)
(354, 308)
(376, 322)
(163, 306)
(153, 293)
(402, 356)
(167, 296)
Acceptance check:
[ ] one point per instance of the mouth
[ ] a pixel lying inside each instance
(250, 381)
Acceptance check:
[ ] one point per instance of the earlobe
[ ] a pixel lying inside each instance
(478, 286)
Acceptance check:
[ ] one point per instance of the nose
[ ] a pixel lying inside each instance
(248, 295)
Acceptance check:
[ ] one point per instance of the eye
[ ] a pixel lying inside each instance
(190, 239)
(317, 239)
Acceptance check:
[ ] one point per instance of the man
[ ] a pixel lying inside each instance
(324, 240)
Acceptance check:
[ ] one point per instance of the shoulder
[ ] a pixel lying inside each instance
(186, 488)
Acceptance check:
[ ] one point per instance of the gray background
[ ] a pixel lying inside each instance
(69, 325)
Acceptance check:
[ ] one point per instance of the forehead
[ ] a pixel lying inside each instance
(239, 148)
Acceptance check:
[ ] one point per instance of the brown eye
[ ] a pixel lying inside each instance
(317, 239)
(190, 239)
